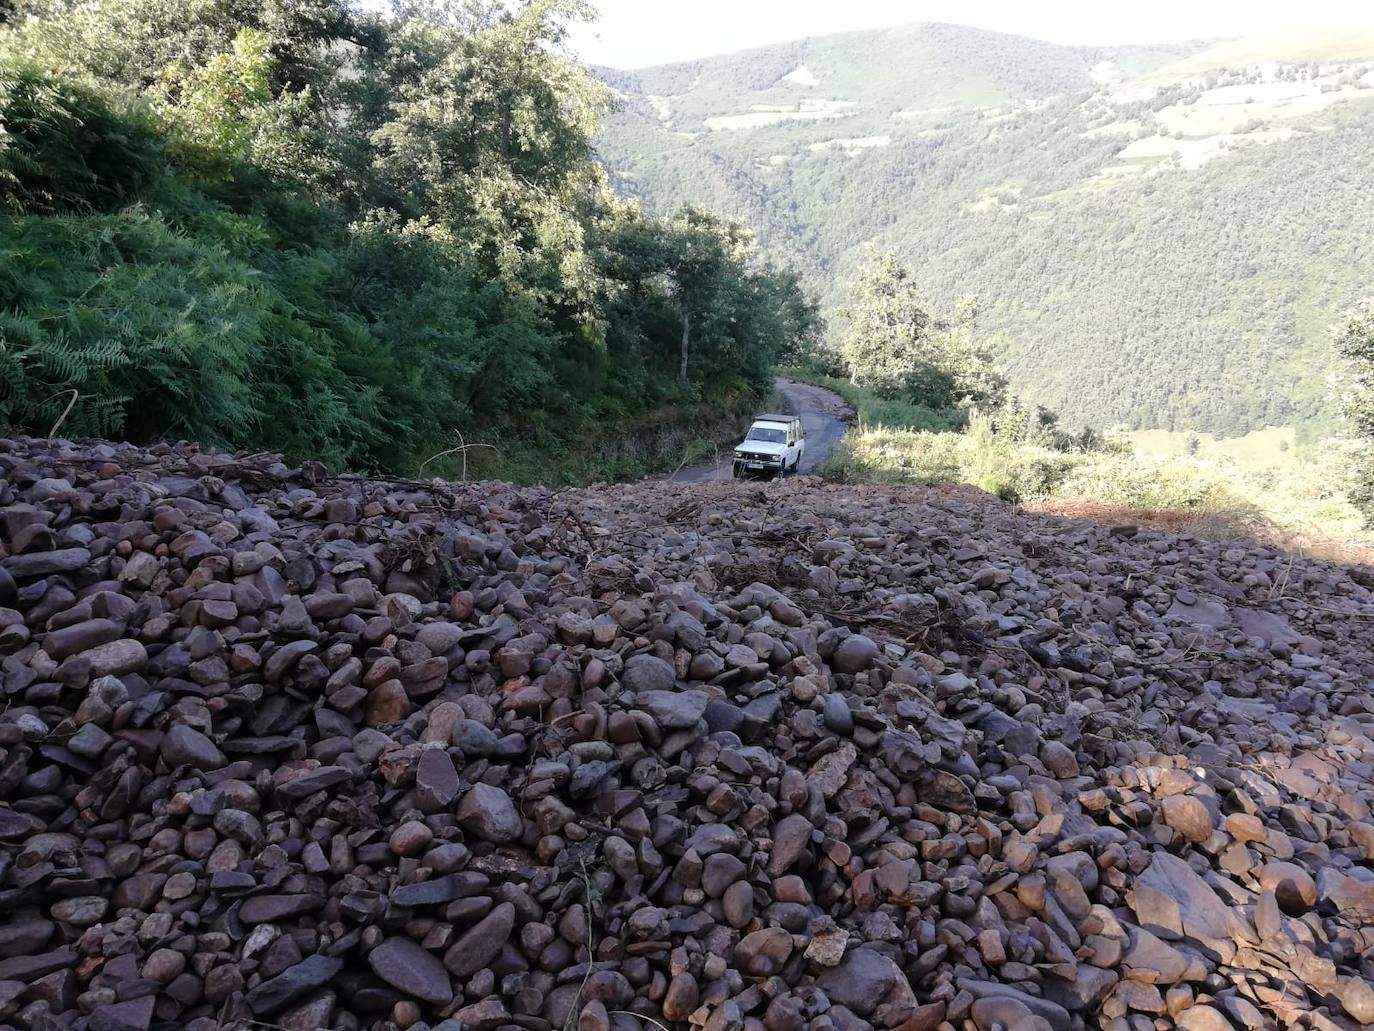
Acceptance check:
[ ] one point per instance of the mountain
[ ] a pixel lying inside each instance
(1159, 236)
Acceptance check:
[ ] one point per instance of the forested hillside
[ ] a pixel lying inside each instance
(1156, 237)
(294, 225)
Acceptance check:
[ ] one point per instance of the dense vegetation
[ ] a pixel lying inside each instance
(893, 345)
(1117, 290)
(1356, 345)
(1223, 488)
(295, 225)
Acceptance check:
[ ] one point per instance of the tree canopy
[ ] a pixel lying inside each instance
(292, 224)
(893, 345)
(1356, 345)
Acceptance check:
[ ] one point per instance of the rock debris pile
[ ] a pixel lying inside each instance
(279, 749)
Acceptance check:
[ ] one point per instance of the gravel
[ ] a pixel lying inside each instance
(306, 751)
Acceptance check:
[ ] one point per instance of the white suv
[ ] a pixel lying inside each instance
(774, 447)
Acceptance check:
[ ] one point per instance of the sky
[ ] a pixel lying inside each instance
(639, 33)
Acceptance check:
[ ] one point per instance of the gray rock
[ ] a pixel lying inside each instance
(185, 745)
(292, 984)
(410, 969)
(648, 673)
(673, 710)
(489, 813)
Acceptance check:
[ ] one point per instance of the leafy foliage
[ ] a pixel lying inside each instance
(1356, 346)
(292, 225)
(63, 149)
(893, 346)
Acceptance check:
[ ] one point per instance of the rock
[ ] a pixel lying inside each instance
(681, 998)
(387, 703)
(320, 779)
(1052, 1013)
(1002, 1012)
(131, 1015)
(719, 872)
(673, 710)
(763, 953)
(436, 781)
(1084, 991)
(410, 838)
(293, 983)
(1153, 959)
(738, 905)
(479, 945)
(80, 637)
(1059, 760)
(116, 658)
(437, 890)
(1169, 893)
(45, 563)
(855, 654)
(1293, 886)
(81, 911)
(648, 673)
(410, 969)
(790, 838)
(185, 745)
(260, 761)
(489, 813)
(1245, 827)
(827, 946)
(264, 909)
(863, 980)
(1189, 817)
(1202, 1018)
(837, 715)
(1356, 996)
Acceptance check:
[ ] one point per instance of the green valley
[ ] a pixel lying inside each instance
(1159, 237)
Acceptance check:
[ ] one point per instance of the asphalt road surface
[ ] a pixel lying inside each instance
(822, 414)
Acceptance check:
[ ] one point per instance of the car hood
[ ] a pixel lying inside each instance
(761, 447)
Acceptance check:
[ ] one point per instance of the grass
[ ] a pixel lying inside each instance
(1260, 487)
(873, 410)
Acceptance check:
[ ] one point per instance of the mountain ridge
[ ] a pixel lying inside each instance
(1044, 187)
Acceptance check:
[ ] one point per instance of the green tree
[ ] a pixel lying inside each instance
(286, 224)
(707, 258)
(895, 346)
(212, 111)
(1356, 345)
(891, 342)
(488, 137)
(969, 362)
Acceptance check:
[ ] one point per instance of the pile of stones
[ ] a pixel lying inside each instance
(290, 750)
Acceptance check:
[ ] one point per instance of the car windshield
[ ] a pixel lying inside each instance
(764, 433)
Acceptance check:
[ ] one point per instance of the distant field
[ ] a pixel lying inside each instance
(1322, 43)
(1270, 448)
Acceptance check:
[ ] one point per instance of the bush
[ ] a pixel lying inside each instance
(246, 243)
(63, 149)
(1135, 482)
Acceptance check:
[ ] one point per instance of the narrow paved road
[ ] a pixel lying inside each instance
(822, 414)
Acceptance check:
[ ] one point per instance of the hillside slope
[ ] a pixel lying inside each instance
(1155, 240)
(287, 749)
